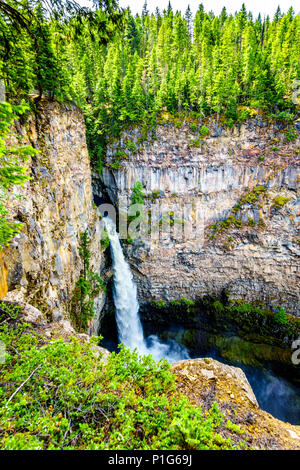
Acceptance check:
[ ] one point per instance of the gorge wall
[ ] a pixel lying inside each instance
(234, 193)
(229, 198)
(42, 264)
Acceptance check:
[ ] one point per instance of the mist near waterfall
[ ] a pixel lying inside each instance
(275, 394)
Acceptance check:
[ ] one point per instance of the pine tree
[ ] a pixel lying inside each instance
(214, 63)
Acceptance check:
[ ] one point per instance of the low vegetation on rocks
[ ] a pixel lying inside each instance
(58, 394)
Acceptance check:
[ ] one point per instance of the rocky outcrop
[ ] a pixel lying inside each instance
(59, 329)
(230, 202)
(42, 263)
(205, 381)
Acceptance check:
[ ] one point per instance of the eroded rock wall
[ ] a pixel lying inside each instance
(203, 181)
(56, 206)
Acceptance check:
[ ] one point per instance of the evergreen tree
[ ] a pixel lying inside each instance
(155, 62)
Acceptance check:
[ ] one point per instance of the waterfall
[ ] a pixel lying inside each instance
(129, 325)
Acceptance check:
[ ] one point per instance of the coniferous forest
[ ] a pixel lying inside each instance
(122, 69)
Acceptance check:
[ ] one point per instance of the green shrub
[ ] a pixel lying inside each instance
(251, 197)
(280, 201)
(59, 396)
(204, 130)
(187, 302)
(244, 114)
(131, 146)
(291, 135)
(105, 240)
(100, 165)
(120, 155)
(175, 302)
(233, 428)
(12, 173)
(218, 306)
(138, 195)
(116, 165)
(195, 143)
(283, 116)
(182, 302)
(155, 195)
(87, 288)
(230, 123)
(226, 224)
(160, 303)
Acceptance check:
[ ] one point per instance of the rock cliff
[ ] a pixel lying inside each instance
(234, 193)
(42, 264)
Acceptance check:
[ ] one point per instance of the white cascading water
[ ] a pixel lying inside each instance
(130, 329)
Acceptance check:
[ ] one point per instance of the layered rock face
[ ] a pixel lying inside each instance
(220, 215)
(42, 264)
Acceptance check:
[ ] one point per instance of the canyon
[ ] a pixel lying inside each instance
(201, 181)
(220, 219)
